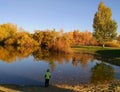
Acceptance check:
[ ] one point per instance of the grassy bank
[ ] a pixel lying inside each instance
(92, 49)
(107, 54)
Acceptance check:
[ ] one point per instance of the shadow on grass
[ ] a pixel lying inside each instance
(17, 88)
(111, 56)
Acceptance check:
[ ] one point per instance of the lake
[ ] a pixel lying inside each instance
(27, 66)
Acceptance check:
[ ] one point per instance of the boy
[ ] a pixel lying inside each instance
(47, 77)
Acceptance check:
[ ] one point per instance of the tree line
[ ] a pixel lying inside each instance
(47, 39)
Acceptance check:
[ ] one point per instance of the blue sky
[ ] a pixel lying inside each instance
(59, 14)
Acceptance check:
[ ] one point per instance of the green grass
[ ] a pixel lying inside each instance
(92, 48)
(107, 54)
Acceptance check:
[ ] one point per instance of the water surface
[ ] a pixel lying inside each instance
(23, 66)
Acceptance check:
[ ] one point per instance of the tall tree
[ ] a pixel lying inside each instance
(104, 26)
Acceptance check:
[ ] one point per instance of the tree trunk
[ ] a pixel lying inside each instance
(103, 45)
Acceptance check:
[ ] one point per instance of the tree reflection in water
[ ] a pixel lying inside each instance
(82, 58)
(102, 73)
(11, 54)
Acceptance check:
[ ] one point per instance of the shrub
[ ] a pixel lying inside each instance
(112, 44)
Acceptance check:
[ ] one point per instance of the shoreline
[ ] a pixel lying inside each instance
(113, 86)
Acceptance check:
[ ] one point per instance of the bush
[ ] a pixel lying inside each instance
(112, 44)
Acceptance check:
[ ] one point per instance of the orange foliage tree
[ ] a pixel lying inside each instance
(82, 38)
(7, 30)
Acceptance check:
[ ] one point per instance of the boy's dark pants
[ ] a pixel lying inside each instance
(46, 82)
